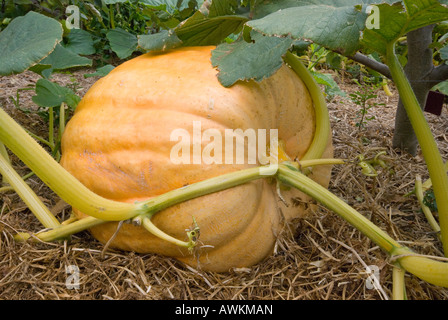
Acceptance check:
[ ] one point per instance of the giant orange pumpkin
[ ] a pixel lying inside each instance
(118, 145)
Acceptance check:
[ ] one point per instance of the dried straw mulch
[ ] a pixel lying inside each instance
(324, 259)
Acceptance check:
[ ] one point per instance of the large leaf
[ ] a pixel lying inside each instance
(114, 1)
(100, 72)
(397, 20)
(80, 42)
(60, 59)
(263, 8)
(208, 26)
(444, 53)
(164, 40)
(222, 8)
(122, 42)
(241, 60)
(201, 30)
(50, 94)
(170, 6)
(26, 41)
(337, 28)
(335, 24)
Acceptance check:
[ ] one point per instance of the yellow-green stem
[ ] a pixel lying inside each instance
(28, 196)
(425, 268)
(290, 176)
(50, 127)
(78, 196)
(4, 152)
(318, 162)
(322, 130)
(426, 211)
(430, 270)
(40, 139)
(399, 287)
(9, 188)
(205, 187)
(5, 155)
(111, 16)
(61, 231)
(148, 225)
(426, 140)
(58, 179)
(61, 120)
(428, 183)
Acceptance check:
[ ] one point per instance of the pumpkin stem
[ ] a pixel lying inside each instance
(192, 235)
(322, 133)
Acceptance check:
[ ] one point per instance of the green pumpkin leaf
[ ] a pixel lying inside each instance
(263, 8)
(80, 42)
(114, 1)
(200, 30)
(398, 19)
(337, 28)
(60, 59)
(164, 40)
(50, 94)
(26, 41)
(122, 42)
(241, 60)
(100, 72)
(170, 6)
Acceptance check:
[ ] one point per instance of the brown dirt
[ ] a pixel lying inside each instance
(324, 260)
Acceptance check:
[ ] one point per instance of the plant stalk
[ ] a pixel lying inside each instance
(430, 270)
(61, 231)
(426, 140)
(148, 225)
(5, 155)
(399, 287)
(426, 211)
(41, 212)
(51, 127)
(291, 176)
(322, 130)
(58, 179)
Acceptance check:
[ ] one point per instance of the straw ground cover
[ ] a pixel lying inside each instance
(321, 257)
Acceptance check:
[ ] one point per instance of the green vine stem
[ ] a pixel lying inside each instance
(51, 128)
(398, 286)
(322, 130)
(62, 119)
(58, 179)
(44, 165)
(428, 183)
(433, 270)
(154, 205)
(62, 231)
(4, 154)
(426, 211)
(426, 140)
(148, 225)
(10, 188)
(163, 201)
(289, 175)
(41, 212)
(430, 270)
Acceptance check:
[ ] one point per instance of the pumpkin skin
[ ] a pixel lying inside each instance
(118, 145)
